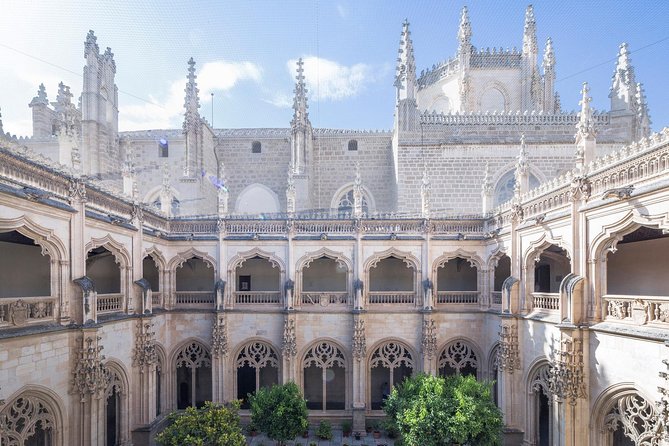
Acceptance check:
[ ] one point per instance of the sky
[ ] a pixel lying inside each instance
(246, 51)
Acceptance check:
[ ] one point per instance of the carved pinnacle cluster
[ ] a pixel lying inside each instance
(429, 341)
(530, 32)
(586, 122)
(89, 375)
(300, 105)
(549, 56)
(219, 339)
(567, 379)
(425, 189)
(405, 73)
(192, 100)
(289, 348)
(508, 355)
(41, 98)
(623, 81)
(486, 186)
(145, 345)
(359, 340)
(465, 30)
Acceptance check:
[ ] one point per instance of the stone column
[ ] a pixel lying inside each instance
(429, 344)
(359, 347)
(77, 198)
(219, 354)
(289, 349)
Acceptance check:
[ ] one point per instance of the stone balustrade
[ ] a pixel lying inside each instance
(156, 298)
(15, 312)
(108, 303)
(257, 297)
(458, 297)
(638, 310)
(391, 297)
(546, 301)
(195, 297)
(496, 298)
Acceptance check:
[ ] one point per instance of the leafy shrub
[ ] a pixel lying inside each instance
(212, 425)
(324, 431)
(280, 411)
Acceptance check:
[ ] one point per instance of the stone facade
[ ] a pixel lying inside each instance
(143, 279)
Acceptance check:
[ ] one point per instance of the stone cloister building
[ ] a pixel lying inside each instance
(143, 272)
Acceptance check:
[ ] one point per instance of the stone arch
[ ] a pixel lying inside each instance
(473, 259)
(117, 401)
(182, 257)
(623, 406)
(118, 250)
(493, 360)
(241, 257)
(192, 355)
(33, 407)
(461, 355)
(348, 187)
(43, 237)
(539, 401)
(502, 178)
(329, 357)
(309, 257)
(161, 378)
(407, 257)
(260, 355)
(495, 257)
(264, 199)
(492, 87)
(157, 256)
(608, 238)
(537, 247)
(440, 104)
(302, 292)
(392, 354)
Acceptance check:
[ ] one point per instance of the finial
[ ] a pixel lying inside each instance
(425, 189)
(465, 30)
(192, 100)
(405, 72)
(300, 105)
(91, 44)
(522, 163)
(530, 32)
(549, 55)
(586, 123)
(41, 98)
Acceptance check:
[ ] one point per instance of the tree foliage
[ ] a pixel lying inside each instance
(280, 411)
(212, 425)
(434, 411)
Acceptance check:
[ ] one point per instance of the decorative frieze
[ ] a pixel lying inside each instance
(145, 345)
(219, 338)
(567, 380)
(359, 340)
(89, 376)
(429, 341)
(508, 354)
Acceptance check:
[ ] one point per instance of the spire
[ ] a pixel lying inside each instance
(91, 44)
(300, 105)
(586, 123)
(192, 101)
(623, 82)
(41, 98)
(549, 78)
(643, 115)
(405, 74)
(549, 56)
(530, 32)
(425, 189)
(192, 125)
(465, 30)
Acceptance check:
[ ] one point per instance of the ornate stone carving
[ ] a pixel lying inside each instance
(458, 356)
(429, 341)
(508, 357)
(19, 422)
(219, 338)
(145, 345)
(257, 355)
(77, 190)
(289, 348)
(392, 355)
(580, 188)
(567, 380)
(193, 356)
(324, 356)
(517, 212)
(18, 313)
(359, 340)
(637, 418)
(89, 377)
(620, 193)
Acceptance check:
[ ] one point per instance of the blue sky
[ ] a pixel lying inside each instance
(245, 53)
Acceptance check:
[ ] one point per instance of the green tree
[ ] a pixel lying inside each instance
(280, 411)
(434, 411)
(212, 425)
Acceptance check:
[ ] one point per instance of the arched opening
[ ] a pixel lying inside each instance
(346, 204)
(630, 421)
(506, 184)
(494, 374)
(492, 100)
(636, 271)
(193, 372)
(151, 273)
(257, 199)
(257, 366)
(115, 415)
(441, 104)
(195, 282)
(103, 270)
(392, 281)
(540, 412)
(458, 358)
(457, 282)
(112, 417)
(550, 267)
(324, 377)
(257, 281)
(24, 270)
(389, 364)
(352, 145)
(501, 273)
(324, 278)
(28, 421)
(159, 387)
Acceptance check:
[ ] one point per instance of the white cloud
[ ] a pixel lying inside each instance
(329, 80)
(213, 76)
(280, 100)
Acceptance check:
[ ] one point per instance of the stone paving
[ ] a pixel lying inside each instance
(337, 440)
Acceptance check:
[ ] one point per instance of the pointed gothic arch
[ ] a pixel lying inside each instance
(325, 374)
(118, 250)
(180, 258)
(622, 410)
(46, 238)
(539, 402)
(342, 200)
(460, 356)
(257, 199)
(537, 247)
(257, 364)
(497, 88)
(389, 361)
(116, 411)
(192, 380)
(407, 257)
(157, 256)
(33, 411)
(241, 257)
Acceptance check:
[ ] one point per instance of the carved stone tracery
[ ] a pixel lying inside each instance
(429, 341)
(508, 356)
(256, 355)
(636, 416)
(359, 341)
(324, 355)
(145, 345)
(392, 355)
(22, 419)
(193, 356)
(458, 355)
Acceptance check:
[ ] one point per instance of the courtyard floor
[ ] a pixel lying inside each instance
(337, 440)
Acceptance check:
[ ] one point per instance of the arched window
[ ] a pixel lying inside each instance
(257, 366)
(458, 358)
(631, 421)
(193, 366)
(324, 382)
(101, 267)
(256, 147)
(540, 414)
(389, 365)
(506, 184)
(352, 145)
(163, 148)
(113, 408)
(28, 421)
(346, 203)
